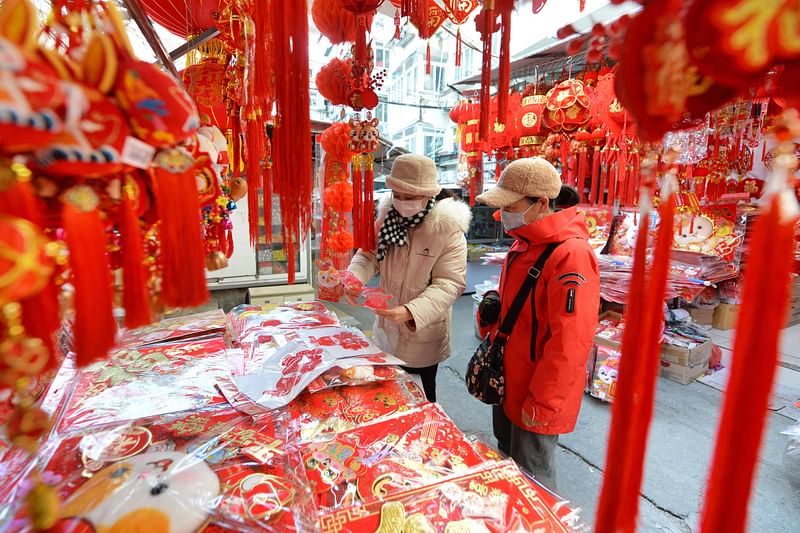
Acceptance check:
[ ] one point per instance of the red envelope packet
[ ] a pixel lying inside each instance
(146, 381)
(495, 497)
(282, 318)
(205, 468)
(395, 454)
(329, 412)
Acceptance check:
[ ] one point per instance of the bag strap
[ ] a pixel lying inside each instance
(528, 289)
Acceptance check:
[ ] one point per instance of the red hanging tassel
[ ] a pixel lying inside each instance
(595, 175)
(459, 46)
(358, 201)
(255, 154)
(291, 153)
(236, 145)
(486, 26)
(564, 146)
(583, 167)
(368, 218)
(504, 70)
(94, 328)
(135, 298)
(267, 201)
(746, 400)
(397, 24)
(633, 405)
(428, 58)
(39, 312)
(183, 281)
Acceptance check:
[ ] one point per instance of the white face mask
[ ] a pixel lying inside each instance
(409, 208)
(512, 221)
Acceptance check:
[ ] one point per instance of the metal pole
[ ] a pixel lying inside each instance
(191, 44)
(139, 16)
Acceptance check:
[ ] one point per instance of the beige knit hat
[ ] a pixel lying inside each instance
(532, 177)
(414, 174)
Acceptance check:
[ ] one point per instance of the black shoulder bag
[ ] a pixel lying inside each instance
(485, 379)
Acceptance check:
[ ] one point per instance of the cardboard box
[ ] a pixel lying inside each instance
(725, 316)
(683, 374)
(686, 356)
(704, 317)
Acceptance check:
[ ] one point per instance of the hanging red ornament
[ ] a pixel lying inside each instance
(336, 141)
(336, 22)
(459, 11)
(568, 106)
(735, 42)
(428, 21)
(205, 82)
(135, 298)
(657, 82)
(184, 19)
(333, 80)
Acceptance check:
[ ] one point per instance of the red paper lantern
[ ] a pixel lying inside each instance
(186, 17)
(339, 197)
(333, 81)
(335, 141)
(341, 241)
(530, 120)
(334, 21)
(361, 7)
(470, 131)
(205, 82)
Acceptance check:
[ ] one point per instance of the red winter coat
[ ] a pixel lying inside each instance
(567, 302)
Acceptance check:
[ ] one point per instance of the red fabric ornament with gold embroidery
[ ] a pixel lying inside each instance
(30, 93)
(24, 265)
(158, 108)
(737, 41)
(459, 11)
(568, 106)
(657, 82)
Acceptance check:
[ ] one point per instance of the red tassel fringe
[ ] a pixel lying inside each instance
(94, 328)
(459, 47)
(504, 70)
(135, 297)
(633, 406)
(368, 218)
(747, 398)
(183, 281)
(256, 139)
(291, 154)
(358, 201)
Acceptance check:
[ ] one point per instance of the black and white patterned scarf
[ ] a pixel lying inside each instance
(394, 231)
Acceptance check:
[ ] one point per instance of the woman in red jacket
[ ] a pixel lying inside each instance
(546, 354)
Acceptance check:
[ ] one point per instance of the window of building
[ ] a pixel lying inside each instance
(432, 144)
(435, 80)
(382, 58)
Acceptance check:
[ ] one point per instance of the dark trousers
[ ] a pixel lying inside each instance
(534, 452)
(428, 376)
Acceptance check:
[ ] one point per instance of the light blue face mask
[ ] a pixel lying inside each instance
(512, 221)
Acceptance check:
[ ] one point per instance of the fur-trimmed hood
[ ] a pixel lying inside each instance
(449, 212)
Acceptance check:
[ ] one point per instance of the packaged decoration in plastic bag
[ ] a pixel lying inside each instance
(178, 473)
(606, 371)
(492, 498)
(244, 318)
(320, 415)
(174, 329)
(286, 371)
(791, 456)
(354, 376)
(376, 460)
(147, 381)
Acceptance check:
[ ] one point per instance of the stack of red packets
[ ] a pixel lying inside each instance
(157, 438)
